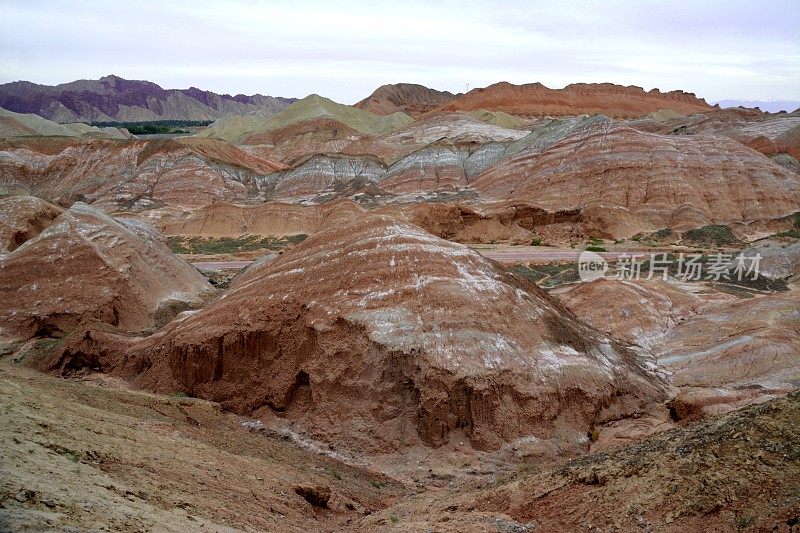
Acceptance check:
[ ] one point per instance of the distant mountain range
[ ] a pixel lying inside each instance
(533, 100)
(770, 106)
(112, 98)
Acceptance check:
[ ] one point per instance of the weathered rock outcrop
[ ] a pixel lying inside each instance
(514, 222)
(767, 133)
(322, 175)
(87, 266)
(380, 335)
(23, 218)
(270, 219)
(298, 142)
(460, 128)
(534, 99)
(723, 352)
(430, 169)
(743, 343)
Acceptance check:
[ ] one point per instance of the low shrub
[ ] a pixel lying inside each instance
(711, 235)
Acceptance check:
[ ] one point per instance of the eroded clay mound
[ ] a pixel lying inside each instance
(86, 265)
(749, 343)
(723, 352)
(23, 218)
(25, 125)
(767, 133)
(239, 128)
(380, 335)
(637, 312)
(667, 181)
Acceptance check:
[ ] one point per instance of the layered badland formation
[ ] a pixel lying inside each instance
(391, 333)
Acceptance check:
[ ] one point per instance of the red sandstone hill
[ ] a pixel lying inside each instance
(647, 179)
(534, 99)
(132, 174)
(410, 98)
(85, 265)
(379, 335)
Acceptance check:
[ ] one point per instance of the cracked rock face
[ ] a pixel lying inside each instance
(382, 335)
(87, 266)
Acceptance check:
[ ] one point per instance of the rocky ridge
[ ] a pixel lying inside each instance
(534, 99)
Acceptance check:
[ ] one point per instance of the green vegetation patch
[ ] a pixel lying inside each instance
(153, 127)
(794, 233)
(226, 245)
(549, 275)
(711, 235)
(40, 351)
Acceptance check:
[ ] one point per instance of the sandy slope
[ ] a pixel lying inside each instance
(89, 457)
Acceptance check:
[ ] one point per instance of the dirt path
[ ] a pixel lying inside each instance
(222, 265)
(521, 254)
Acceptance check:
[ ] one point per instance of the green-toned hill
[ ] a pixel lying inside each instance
(311, 107)
(26, 125)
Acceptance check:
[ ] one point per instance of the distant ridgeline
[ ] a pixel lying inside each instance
(154, 126)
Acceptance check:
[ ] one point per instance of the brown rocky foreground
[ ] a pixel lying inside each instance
(79, 455)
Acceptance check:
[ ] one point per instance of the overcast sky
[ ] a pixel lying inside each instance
(344, 49)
